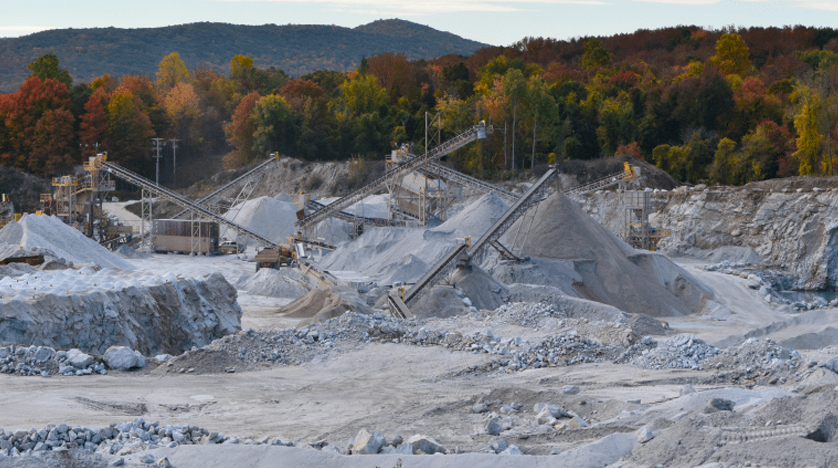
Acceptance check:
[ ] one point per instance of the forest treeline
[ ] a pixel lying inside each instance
(728, 106)
(296, 49)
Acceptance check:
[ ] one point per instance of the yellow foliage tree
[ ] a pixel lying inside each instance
(806, 123)
(732, 55)
(170, 72)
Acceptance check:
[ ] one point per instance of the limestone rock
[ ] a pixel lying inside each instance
(644, 434)
(123, 357)
(494, 427)
(78, 359)
(570, 390)
(423, 444)
(722, 404)
(368, 442)
(512, 450)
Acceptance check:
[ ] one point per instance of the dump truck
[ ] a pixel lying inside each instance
(273, 257)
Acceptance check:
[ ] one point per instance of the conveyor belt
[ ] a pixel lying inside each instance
(314, 242)
(442, 268)
(531, 197)
(467, 181)
(449, 262)
(604, 182)
(351, 218)
(173, 197)
(201, 201)
(474, 133)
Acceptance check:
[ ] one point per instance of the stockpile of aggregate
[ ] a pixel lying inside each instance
(389, 255)
(604, 265)
(271, 218)
(47, 235)
(120, 439)
(285, 282)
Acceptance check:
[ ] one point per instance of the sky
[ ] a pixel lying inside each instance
(492, 22)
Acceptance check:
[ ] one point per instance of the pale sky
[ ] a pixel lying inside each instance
(489, 21)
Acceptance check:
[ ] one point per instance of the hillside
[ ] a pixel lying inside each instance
(296, 49)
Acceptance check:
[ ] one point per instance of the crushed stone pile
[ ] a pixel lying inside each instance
(119, 439)
(49, 236)
(319, 304)
(285, 282)
(269, 217)
(93, 310)
(46, 361)
(679, 352)
(563, 231)
(554, 340)
(389, 255)
(761, 360)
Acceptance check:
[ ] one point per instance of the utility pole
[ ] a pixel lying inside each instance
(157, 148)
(174, 161)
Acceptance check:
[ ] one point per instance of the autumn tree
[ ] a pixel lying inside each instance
(94, 124)
(129, 131)
(394, 72)
(363, 95)
(806, 123)
(172, 71)
(732, 55)
(726, 168)
(240, 132)
(38, 129)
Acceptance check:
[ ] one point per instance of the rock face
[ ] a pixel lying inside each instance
(788, 222)
(170, 317)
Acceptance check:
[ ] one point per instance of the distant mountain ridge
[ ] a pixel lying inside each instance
(296, 49)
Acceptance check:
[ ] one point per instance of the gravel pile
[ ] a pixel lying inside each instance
(45, 361)
(528, 314)
(756, 359)
(680, 352)
(117, 439)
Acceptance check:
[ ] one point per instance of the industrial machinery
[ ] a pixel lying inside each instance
(273, 257)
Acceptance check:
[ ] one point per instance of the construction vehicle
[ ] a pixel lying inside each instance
(230, 247)
(273, 257)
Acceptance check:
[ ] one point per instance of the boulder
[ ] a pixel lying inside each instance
(123, 357)
(43, 354)
(512, 450)
(494, 427)
(78, 359)
(368, 442)
(722, 404)
(555, 410)
(499, 445)
(644, 434)
(423, 444)
(544, 417)
(570, 390)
